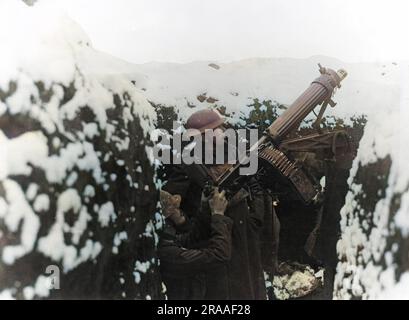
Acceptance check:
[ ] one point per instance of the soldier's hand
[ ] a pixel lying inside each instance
(218, 202)
(170, 203)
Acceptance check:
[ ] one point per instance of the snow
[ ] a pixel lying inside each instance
(80, 225)
(137, 277)
(18, 211)
(13, 162)
(41, 203)
(31, 191)
(118, 238)
(140, 267)
(91, 129)
(369, 265)
(150, 231)
(53, 244)
(89, 191)
(3, 208)
(6, 295)
(402, 215)
(41, 288)
(106, 214)
(399, 291)
(297, 284)
(368, 87)
(69, 59)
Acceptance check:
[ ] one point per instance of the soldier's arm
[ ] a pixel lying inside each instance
(198, 231)
(183, 261)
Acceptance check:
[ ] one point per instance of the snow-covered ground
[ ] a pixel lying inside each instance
(369, 88)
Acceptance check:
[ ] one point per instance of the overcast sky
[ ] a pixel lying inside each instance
(224, 30)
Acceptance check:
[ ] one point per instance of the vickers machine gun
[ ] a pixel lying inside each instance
(272, 147)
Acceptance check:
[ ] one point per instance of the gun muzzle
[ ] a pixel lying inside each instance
(320, 90)
(342, 74)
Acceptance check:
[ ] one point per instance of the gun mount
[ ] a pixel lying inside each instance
(273, 159)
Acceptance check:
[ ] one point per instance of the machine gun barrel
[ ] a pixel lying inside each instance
(320, 91)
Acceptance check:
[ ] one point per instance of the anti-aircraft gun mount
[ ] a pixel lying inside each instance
(272, 148)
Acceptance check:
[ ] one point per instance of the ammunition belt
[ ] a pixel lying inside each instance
(279, 160)
(294, 174)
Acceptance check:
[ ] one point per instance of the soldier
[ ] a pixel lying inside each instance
(242, 277)
(182, 268)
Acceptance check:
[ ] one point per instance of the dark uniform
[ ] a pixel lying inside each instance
(251, 212)
(242, 277)
(183, 269)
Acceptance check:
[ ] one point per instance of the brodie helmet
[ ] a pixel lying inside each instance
(202, 120)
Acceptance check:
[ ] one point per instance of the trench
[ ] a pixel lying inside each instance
(297, 220)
